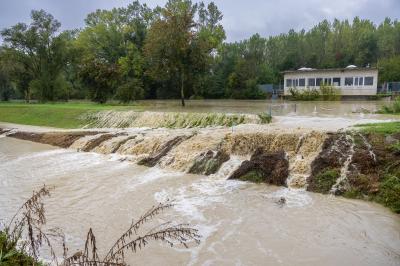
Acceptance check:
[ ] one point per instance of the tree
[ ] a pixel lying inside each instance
(389, 69)
(111, 45)
(39, 52)
(178, 47)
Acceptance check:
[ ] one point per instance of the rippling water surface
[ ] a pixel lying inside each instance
(240, 223)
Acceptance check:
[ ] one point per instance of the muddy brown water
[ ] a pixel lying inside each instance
(240, 223)
(349, 108)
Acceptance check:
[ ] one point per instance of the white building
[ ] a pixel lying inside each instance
(351, 80)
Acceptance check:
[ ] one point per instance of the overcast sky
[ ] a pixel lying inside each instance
(242, 18)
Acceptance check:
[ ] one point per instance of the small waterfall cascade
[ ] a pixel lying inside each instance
(341, 182)
(217, 152)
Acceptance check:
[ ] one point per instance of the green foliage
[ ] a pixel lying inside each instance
(324, 93)
(329, 93)
(39, 53)
(265, 118)
(392, 108)
(253, 176)
(325, 180)
(308, 94)
(130, 91)
(353, 194)
(178, 49)
(395, 148)
(389, 69)
(389, 193)
(386, 128)
(10, 256)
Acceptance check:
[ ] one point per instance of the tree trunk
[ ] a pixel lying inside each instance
(182, 89)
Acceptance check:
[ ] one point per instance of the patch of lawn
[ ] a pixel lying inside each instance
(386, 128)
(60, 115)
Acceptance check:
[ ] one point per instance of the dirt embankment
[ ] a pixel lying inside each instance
(59, 139)
(357, 165)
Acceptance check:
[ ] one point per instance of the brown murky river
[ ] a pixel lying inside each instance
(350, 108)
(240, 223)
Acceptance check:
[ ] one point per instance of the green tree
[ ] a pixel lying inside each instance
(111, 45)
(179, 48)
(39, 51)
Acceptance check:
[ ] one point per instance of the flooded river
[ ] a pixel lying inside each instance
(350, 108)
(240, 223)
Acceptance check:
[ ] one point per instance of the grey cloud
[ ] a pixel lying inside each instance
(241, 18)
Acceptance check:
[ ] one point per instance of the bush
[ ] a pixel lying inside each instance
(325, 93)
(265, 118)
(329, 93)
(9, 255)
(304, 95)
(393, 108)
(389, 193)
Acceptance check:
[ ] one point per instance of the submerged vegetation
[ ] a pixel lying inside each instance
(324, 93)
(392, 108)
(325, 180)
(22, 239)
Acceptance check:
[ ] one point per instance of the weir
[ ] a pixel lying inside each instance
(195, 151)
(318, 161)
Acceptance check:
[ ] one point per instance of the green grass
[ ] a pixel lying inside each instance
(61, 115)
(325, 180)
(254, 176)
(11, 256)
(380, 128)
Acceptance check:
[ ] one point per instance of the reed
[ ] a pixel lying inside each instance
(134, 239)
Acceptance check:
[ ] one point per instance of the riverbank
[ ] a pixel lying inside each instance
(60, 115)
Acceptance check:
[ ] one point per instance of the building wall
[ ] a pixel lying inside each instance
(342, 74)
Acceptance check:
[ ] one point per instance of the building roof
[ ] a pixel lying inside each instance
(348, 68)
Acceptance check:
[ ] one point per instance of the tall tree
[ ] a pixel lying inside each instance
(179, 47)
(40, 52)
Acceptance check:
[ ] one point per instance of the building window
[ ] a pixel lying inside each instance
(369, 81)
(311, 82)
(348, 81)
(296, 82)
(328, 81)
(336, 81)
(356, 81)
(360, 81)
(288, 83)
(302, 82)
(318, 81)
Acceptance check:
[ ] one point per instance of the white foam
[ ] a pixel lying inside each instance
(295, 198)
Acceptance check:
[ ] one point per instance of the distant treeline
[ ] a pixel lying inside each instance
(176, 51)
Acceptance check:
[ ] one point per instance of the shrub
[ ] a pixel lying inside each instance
(265, 118)
(325, 93)
(329, 93)
(393, 108)
(389, 193)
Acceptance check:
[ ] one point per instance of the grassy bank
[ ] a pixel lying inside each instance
(61, 115)
(382, 184)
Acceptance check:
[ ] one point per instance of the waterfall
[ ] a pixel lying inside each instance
(217, 152)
